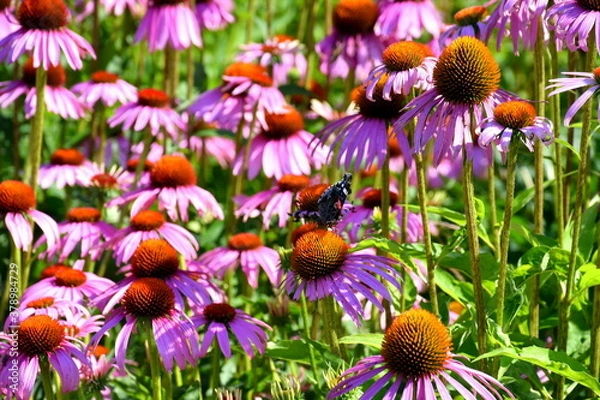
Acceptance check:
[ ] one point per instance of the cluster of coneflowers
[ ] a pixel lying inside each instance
(421, 107)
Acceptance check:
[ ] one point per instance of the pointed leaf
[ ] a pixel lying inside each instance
(368, 339)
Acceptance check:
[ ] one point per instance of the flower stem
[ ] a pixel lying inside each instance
(36, 136)
(170, 77)
(306, 331)
(148, 138)
(473, 240)
(422, 198)
(251, 4)
(595, 328)
(215, 369)
(493, 209)
(46, 376)
(197, 376)
(511, 174)
(580, 201)
(155, 367)
(331, 319)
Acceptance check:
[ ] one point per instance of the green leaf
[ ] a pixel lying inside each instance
(568, 146)
(457, 290)
(526, 196)
(389, 246)
(554, 361)
(368, 339)
(590, 278)
(556, 260)
(292, 350)
(587, 232)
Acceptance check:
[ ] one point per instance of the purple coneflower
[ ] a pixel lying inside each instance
(63, 170)
(82, 228)
(416, 362)
(282, 53)
(173, 183)
(471, 21)
(360, 214)
(573, 22)
(114, 178)
(220, 319)
(518, 118)
(107, 88)
(117, 7)
(247, 251)
(406, 65)
(55, 308)
(41, 336)
(588, 80)
(352, 46)
(519, 19)
(363, 137)
(151, 300)
(169, 23)
(58, 99)
(275, 201)
(282, 147)
(8, 22)
(156, 258)
(321, 266)
(214, 14)
(150, 224)
(152, 109)
(44, 33)
(17, 200)
(71, 284)
(222, 149)
(465, 88)
(406, 20)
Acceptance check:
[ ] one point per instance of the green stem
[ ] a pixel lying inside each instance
(46, 376)
(385, 196)
(494, 228)
(422, 198)
(269, 18)
(511, 174)
(331, 318)
(215, 369)
(306, 331)
(170, 78)
(101, 116)
(36, 136)
(251, 5)
(155, 366)
(474, 253)
(96, 32)
(198, 381)
(558, 164)
(580, 201)
(148, 139)
(595, 328)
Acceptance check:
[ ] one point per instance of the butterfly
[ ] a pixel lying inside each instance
(330, 203)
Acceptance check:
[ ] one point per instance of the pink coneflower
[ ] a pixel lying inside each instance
(362, 138)
(8, 22)
(220, 319)
(573, 22)
(150, 224)
(44, 33)
(588, 80)
(246, 88)
(282, 147)
(406, 20)
(58, 99)
(406, 65)
(275, 201)
(156, 258)
(282, 53)
(117, 7)
(322, 266)
(214, 14)
(371, 198)
(169, 23)
(352, 46)
(42, 336)
(151, 300)
(519, 19)
(471, 21)
(17, 200)
(515, 118)
(55, 308)
(70, 284)
(222, 149)
(173, 183)
(114, 178)
(417, 362)
(97, 374)
(63, 170)
(107, 88)
(82, 228)
(152, 109)
(247, 251)
(465, 89)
